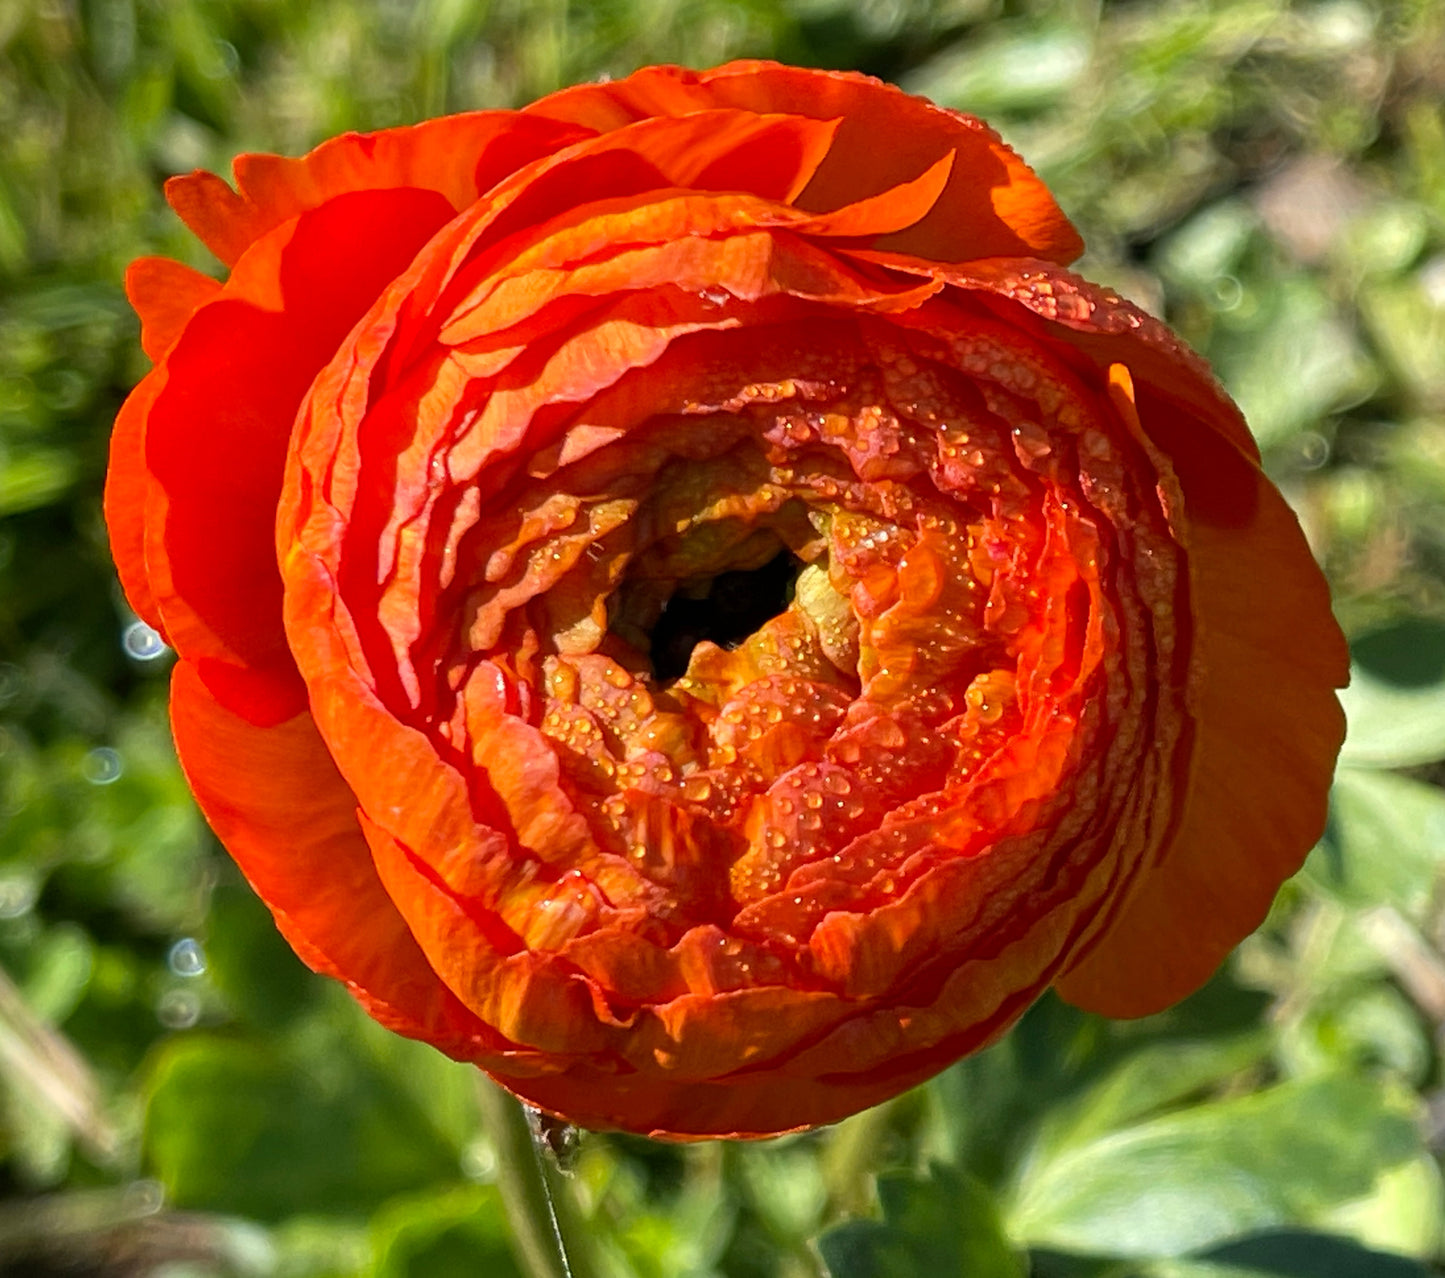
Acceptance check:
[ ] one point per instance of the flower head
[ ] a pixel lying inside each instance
(683, 600)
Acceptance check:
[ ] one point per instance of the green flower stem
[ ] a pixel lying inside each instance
(850, 1159)
(545, 1233)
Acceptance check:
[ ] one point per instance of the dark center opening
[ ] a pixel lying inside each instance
(734, 606)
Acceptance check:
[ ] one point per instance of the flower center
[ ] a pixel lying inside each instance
(724, 609)
(768, 659)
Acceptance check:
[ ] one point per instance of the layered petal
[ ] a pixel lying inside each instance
(1255, 802)
(127, 497)
(1257, 794)
(165, 295)
(458, 158)
(994, 206)
(470, 892)
(241, 367)
(272, 794)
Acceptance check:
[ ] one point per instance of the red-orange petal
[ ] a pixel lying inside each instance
(993, 206)
(127, 497)
(870, 1053)
(274, 797)
(457, 157)
(215, 214)
(1254, 802)
(215, 435)
(165, 294)
(1266, 732)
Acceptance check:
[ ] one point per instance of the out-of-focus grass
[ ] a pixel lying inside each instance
(1268, 175)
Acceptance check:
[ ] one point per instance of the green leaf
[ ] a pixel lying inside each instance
(262, 981)
(785, 1188)
(233, 1125)
(1298, 1253)
(61, 961)
(1290, 360)
(1395, 703)
(1209, 245)
(321, 1247)
(1387, 238)
(35, 478)
(1152, 1078)
(1404, 1213)
(1019, 69)
(1384, 843)
(1174, 1184)
(946, 1225)
(1293, 1254)
(991, 1104)
(458, 1233)
(1355, 1024)
(1409, 326)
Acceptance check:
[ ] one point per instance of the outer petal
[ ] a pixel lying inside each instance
(458, 157)
(993, 206)
(165, 295)
(1256, 799)
(872, 1052)
(215, 434)
(216, 215)
(1256, 796)
(275, 799)
(127, 496)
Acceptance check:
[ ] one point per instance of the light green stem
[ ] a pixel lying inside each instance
(851, 1158)
(537, 1204)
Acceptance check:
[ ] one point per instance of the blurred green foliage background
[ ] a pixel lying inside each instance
(178, 1096)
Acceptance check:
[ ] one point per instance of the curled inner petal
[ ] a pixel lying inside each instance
(841, 640)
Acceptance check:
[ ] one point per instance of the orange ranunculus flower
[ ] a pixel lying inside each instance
(682, 600)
